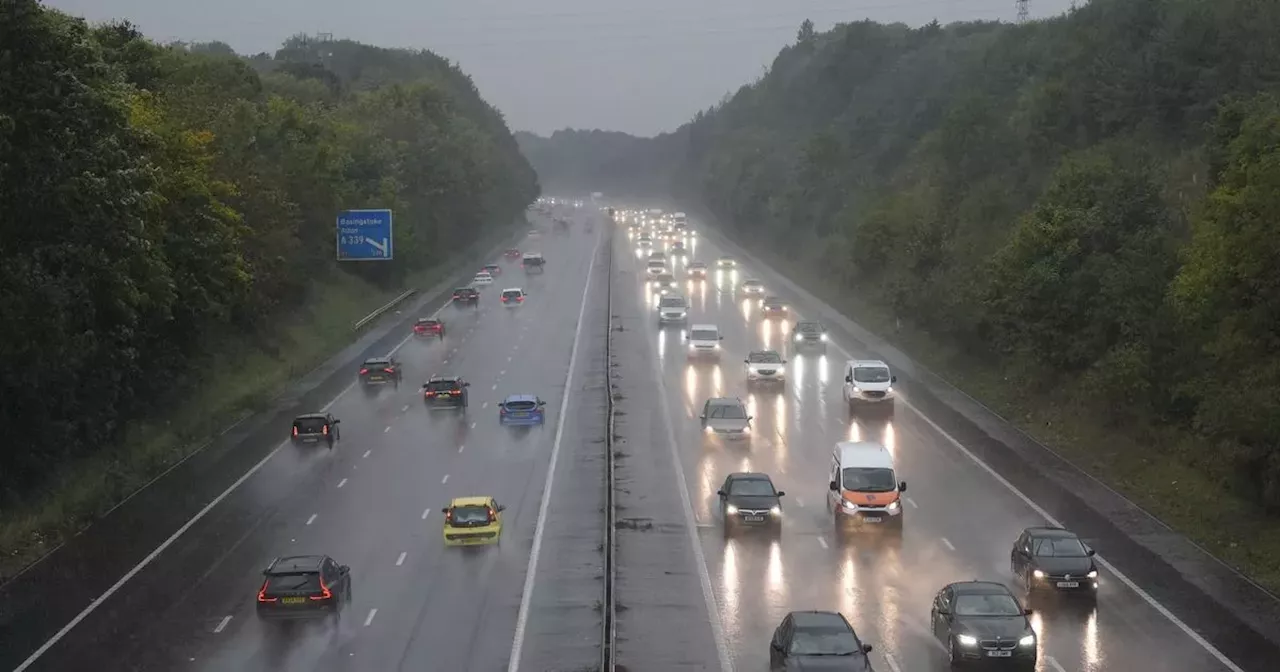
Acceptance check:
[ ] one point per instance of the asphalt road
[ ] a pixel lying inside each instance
(373, 503)
(960, 520)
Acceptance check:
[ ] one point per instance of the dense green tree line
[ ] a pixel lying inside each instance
(1090, 202)
(158, 198)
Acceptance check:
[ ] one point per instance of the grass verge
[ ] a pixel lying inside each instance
(240, 378)
(1155, 466)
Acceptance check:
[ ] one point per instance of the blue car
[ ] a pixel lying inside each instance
(522, 409)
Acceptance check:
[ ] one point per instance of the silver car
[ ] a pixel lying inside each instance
(726, 417)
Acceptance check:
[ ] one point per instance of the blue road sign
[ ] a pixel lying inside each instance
(365, 235)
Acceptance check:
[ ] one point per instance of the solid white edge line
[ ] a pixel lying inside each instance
(342, 482)
(522, 616)
(947, 542)
(1053, 662)
(893, 664)
(151, 557)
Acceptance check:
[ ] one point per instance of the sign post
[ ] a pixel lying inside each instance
(365, 235)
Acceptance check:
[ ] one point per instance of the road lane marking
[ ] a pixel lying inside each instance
(369, 619)
(522, 617)
(893, 664)
(446, 361)
(495, 386)
(312, 519)
(912, 502)
(453, 351)
(222, 625)
(473, 425)
(406, 407)
(387, 429)
(400, 560)
(822, 542)
(502, 373)
(1053, 662)
(947, 543)
(425, 513)
(799, 502)
(342, 482)
(484, 405)
(461, 448)
(366, 453)
(445, 479)
(508, 358)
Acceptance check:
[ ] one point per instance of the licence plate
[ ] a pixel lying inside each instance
(999, 654)
(375, 379)
(293, 600)
(1068, 584)
(872, 520)
(753, 519)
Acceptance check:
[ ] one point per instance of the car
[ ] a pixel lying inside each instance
(428, 326)
(315, 428)
(513, 297)
(493, 269)
(726, 262)
(1052, 559)
(521, 409)
(867, 383)
(664, 283)
(697, 269)
(809, 335)
(765, 366)
(753, 287)
(657, 254)
(468, 296)
(445, 392)
(512, 253)
(655, 267)
(773, 307)
(380, 371)
(981, 623)
(748, 499)
(645, 241)
(304, 586)
(817, 640)
(482, 278)
(533, 262)
(472, 521)
(726, 417)
(677, 249)
(672, 308)
(704, 341)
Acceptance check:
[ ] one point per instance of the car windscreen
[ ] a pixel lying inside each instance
(993, 604)
(764, 358)
(727, 412)
(1060, 548)
(868, 479)
(824, 640)
(520, 405)
(751, 487)
(441, 385)
(511, 294)
(309, 425)
(470, 515)
(753, 283)
(671, 302)
(428, 322)
(657, 263)
(704, 335)
(697, 264)
(870, 374)
(491, 267)
(291, 582)
(809, 327)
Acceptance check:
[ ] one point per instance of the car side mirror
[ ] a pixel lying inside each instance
(782, 493)
(776, 646)
(943, 611)
(336, 422)
(784, 361)
(722, 338)
(1091, 552)
(444, 510)
(746, 361)
(424, 386)
(750, 418)
(702, 417)
(542, 403)
(466, 384)
(345, 569)
(502, 507)
(902, 486)
(722, 493)
(833, 486)
(867, 648)
(848, 379)
(1026, 612)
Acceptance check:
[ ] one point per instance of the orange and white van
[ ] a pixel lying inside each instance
(863, 489)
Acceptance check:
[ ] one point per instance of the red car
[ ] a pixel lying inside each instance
(428, 327)
(512, 254)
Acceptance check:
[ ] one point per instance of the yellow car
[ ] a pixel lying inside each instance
(472, 521)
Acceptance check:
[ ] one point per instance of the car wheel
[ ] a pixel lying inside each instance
(952, 659)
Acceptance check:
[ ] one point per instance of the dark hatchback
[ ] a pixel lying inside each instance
(1054, 560)
(445, 392)
(380, 371)
(981, 624)
(466, 296)
(304, 586)
(817, 640)
(809, 336)
(316, 428)
(748, 499)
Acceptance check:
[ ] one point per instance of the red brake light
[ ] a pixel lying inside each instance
(364, 371)
(325, 431)
(262, 593)
(295, 430)
(389, 370)
(520, 298)
(324, 591)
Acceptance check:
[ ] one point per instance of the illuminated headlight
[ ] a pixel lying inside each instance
(893, 506)
(823, 337)
(849, 505)
(1038, 574)
(692, 347)
(782, 370)
(966, 640)
(731, 510)
(708, 430)
(800, 337)
(716, 346)
(1027, 641)
(1093, 574)
(777, 511)
(746, 430)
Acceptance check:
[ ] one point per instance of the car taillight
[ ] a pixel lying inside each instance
(448, 516)
(295, 430)
(364, 371)
(324, 592)
(506, 299)
(520, 298)
(262, 593)
(325, 430)
(389, 370)
(429, 393)
(502, 410)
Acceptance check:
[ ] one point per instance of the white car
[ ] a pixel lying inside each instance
(765, 366)
(672, 308)
(868, 382)
(655, 267)
(482, 278)
(513, 297)
(704, 341)
(726, 262)
(753, 287)
(726, 417)
(645, 241)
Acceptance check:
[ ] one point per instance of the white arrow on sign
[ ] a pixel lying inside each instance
(380, 247)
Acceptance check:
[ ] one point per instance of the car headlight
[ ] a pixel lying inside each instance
(823, 337)
(1038, 574)
(731, 509)
(966, 640)
(893, 506)
(1027, 641)
(799, 337)
(708, 429)
(782, 370)
(746, 430)
(777, 511)
(1093, 574)
(849, 505)
(717, 346)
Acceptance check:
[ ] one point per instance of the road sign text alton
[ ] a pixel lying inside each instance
(365, 235)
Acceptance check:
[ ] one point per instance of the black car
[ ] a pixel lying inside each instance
(380, 371)
(1053, 559)
(466, 296)
(304, 586)
(748, 499)
(445, 392)
(316, 428)
(809, 336)
(817, 640)
(981, 623)
(773, 307)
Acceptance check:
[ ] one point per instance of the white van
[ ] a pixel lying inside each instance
(704, 340)
(863, 489)
(868, 382)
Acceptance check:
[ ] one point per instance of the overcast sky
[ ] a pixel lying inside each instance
(637, 66)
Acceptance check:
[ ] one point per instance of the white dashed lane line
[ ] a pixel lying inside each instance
(222, 625)
(445, 479)
(400, 560)
(387, 429)
(425, 513)
(502, 373)
(822, 542)
(312, 519)
(799, 502)
(406, 407)
(461, 448)
(508, 358)
(913, 504)
(947, 543)
(1054, 663)
(342, 482)
(495, 386)
(473, 425)
(484, 405)
(369, 618)
(366, 453)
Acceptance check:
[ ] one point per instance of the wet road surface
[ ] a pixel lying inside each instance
(373, 503)
(959, 520)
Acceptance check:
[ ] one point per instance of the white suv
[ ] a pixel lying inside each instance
(672, 309)
(868, 382)
(704, 340)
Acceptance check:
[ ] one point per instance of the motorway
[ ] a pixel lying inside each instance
(374, 503)
(960, 521)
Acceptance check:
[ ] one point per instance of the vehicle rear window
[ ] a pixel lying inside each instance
(521, 405)
(309, 425)
(704, 335)
(512, 293)
(727, 412)
(470, 515)
(291, 582)
(441, 385)
(376, 364)
(463, 290)
(870, 374)
(764, 358)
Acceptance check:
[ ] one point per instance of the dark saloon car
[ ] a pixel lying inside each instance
(817, 641)
(748, 499)
(981, 624)
(1052, 559)
(315, 428)
(445, 392)
(809, 335)
(304, 586)
(468, 296)
(380, 371)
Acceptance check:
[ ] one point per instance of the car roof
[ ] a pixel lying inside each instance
(697, 263)
(858, 363)
(378, 360)
(805, 619)
(296, 563)
(482, 272)
(976, 587)
(870, 454)
(520, 397)
(773, 299)
(532, 255)
(464, 289)
(492, 265)
(470, 501)
(808, 323)
(753, 281)
(444, 379)
(1044, 532)
(749, 476)
(513, 289)
(699, 327)
(428, 319)
(725, 401)
(312, 416)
